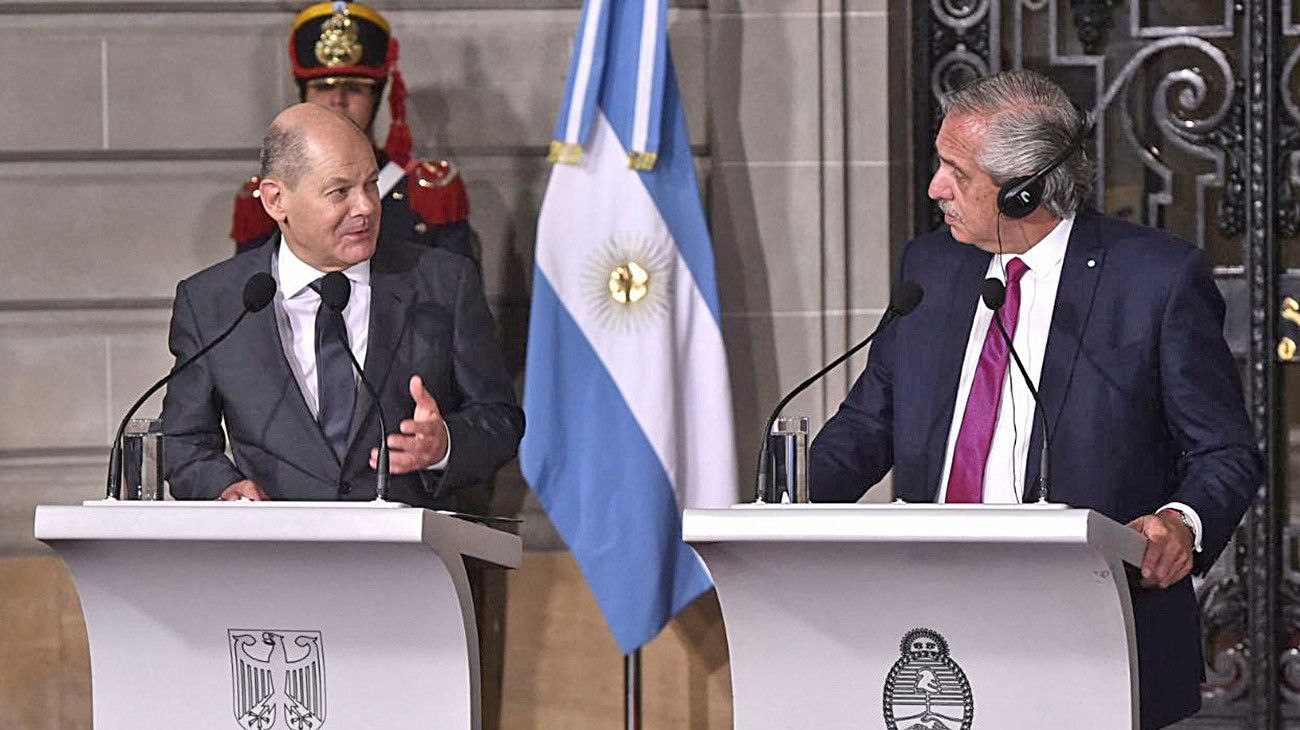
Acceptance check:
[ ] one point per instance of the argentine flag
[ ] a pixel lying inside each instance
(627, 396)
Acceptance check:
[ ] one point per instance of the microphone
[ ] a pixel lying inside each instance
(905, 298)
(994, 294)
(259, 290)
(335, 289)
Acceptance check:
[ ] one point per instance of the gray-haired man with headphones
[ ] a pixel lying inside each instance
(1121, 328)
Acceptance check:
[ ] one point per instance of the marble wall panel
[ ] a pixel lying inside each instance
(495, 80)
(874, 232)
(767, 237)
(764, 88)
(52, 476)
(478, 79)
(195, 81)
(111, 230)
(868, 82)
(54, 393)
(50, 98)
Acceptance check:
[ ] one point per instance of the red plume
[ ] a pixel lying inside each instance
(399, 142)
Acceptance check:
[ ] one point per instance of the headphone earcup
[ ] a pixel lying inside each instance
(1020, 196)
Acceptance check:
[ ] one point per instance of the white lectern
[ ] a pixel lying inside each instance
(267, 615)
(924, 616)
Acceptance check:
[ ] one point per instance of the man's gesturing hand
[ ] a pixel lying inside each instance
(423, 439)
(1168, 557)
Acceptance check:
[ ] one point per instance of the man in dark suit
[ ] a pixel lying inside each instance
(301, 425)
(1121, 328)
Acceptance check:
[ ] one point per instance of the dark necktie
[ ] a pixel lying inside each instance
(336, 386)
(971, 454)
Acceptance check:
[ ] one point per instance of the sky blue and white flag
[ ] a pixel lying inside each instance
(627, 395)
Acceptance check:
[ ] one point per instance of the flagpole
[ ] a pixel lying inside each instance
(632, 690)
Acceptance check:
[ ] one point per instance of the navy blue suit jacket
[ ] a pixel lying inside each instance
(1140, 391)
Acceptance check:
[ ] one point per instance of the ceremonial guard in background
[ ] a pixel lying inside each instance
(343, 55)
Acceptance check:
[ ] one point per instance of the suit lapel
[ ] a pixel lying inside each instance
(963, 292)
(390, 298)
(269, 352)
(1080, 273)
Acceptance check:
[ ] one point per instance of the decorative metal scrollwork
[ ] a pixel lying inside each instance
(1092, 22)
(1182, 124)
(959, 52)
(1222, 605)
(1288, 147)
(1222, 600)
(960, 15)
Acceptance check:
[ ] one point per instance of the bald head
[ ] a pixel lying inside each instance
(320, 183)
(300, 132)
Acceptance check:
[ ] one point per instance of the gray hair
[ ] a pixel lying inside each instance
(1028, 120)
(284, 153)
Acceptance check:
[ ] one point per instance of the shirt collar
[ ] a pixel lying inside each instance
(1048, 253)
(294, 274)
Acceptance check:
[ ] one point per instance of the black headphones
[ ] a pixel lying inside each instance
(1020, 196)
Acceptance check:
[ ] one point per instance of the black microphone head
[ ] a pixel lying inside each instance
(993, 293)
(906, 297)
(259, 290)
(335, 290)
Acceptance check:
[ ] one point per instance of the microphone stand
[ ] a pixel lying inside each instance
(1045, 461)
(114, 488)
(764, 453)
(335, 291)
(381, 464)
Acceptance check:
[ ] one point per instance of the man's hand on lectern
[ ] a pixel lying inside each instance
(1168, 557)
(243, 489)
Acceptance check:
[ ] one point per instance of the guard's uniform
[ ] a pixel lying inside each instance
(424, 201)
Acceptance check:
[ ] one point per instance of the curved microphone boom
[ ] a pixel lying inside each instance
(335, 290)
(994, 294)
(259, 290)
(906, 298)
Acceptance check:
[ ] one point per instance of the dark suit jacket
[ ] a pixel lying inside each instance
(1139, 388)
(428, 316)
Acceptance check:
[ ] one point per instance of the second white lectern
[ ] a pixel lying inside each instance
(924, 616)
(274, 615)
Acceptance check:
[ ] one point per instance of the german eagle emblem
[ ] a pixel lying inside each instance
(278, 679)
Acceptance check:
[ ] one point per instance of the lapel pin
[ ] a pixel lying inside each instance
(1092, 263)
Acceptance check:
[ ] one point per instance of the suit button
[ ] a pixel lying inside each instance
(345, 489)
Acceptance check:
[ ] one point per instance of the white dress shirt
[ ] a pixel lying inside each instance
(1004, 473)
(295, 315)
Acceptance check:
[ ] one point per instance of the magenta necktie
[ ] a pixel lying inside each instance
(966, 480)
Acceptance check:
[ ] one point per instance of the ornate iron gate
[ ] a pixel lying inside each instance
(1198, 131)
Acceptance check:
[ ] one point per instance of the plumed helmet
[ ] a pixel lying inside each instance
(336, 41)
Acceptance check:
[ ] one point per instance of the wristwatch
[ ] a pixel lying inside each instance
(1187, 521)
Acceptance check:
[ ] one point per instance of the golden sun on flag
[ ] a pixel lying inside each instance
(630, 282)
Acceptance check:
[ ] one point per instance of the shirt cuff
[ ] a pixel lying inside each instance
(447, 457)
(1194, 518)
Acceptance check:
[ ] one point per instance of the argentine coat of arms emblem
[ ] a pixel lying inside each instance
(925, 689)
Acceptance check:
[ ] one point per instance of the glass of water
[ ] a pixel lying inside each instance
(788, 454)
(142, 459)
